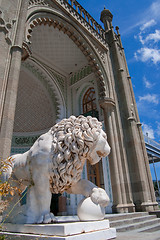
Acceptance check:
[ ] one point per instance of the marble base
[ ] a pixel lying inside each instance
(94, 230)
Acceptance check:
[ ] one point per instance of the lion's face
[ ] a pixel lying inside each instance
(100, 149)
(74, 141)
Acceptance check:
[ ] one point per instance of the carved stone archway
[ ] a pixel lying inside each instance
(94, 57)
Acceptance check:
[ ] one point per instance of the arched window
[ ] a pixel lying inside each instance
(89, 101)
(89, 108)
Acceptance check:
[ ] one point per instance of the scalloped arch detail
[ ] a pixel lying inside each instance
(78, 40)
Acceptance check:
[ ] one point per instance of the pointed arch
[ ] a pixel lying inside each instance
(55, 18)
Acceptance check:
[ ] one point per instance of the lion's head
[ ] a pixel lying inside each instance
(74, 141)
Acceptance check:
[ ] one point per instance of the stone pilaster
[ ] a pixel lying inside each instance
(121, 202)
(13, 15)
(144, 152)
(138, 164)
(108, 107)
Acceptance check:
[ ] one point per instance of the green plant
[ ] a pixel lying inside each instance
(2, 237)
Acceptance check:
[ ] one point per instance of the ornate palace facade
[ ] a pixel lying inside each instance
(57, 61)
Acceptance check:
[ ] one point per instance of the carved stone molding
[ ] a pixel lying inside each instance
(79, 14)
(26, 51)
(107, 103)
(101, 54)
(132, 114)
(37, 2)
(83, 46)
(6, 27)
(80, 74)
(24, 141)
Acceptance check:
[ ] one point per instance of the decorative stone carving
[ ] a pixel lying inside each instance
(79, 14)
(132, 113)
(75, 77)
(101, 53)
(24, 140)
(38, 2)
(54, 164)
(26, 51)
(59, 78)
(6, 27)
(83, 17)
(93, 65)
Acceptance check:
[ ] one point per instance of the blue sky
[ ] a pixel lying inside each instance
(139, 23)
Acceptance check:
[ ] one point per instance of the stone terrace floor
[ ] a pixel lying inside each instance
(138, 236)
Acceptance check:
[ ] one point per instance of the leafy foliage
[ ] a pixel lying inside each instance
(9, 187)
(2, 237)
(6, 188)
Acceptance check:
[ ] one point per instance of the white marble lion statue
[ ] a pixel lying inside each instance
(54, 164)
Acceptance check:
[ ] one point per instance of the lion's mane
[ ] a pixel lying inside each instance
(72, 140)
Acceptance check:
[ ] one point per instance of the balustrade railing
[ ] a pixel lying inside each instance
(79, 13)
(85, 15)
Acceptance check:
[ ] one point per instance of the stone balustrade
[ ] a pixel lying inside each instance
(85, 15)
(80, 14)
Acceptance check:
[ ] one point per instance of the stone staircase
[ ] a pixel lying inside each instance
(139, 222)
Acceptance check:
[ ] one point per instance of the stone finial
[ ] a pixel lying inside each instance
(106, 18)
(117, 29)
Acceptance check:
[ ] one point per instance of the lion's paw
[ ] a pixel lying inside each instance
(47, 218)
(99, 196)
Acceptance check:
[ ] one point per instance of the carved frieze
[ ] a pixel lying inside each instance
(24, 140)
(6, 27)
(38, 2)
(79, 14)
(80, 74)
(101, 54)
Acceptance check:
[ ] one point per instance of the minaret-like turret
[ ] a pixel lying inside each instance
(106, 18)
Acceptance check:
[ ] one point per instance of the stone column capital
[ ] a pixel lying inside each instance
(107, 103)
(26, 51)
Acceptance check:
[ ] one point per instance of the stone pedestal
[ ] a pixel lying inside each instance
(94, 230)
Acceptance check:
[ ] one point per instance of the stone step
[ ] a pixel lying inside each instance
(134, 235)
(118, 223)
(119, 216)
(154, 228)
(138, 226)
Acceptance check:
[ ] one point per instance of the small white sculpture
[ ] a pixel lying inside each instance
(89, 211)
(54, 164)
